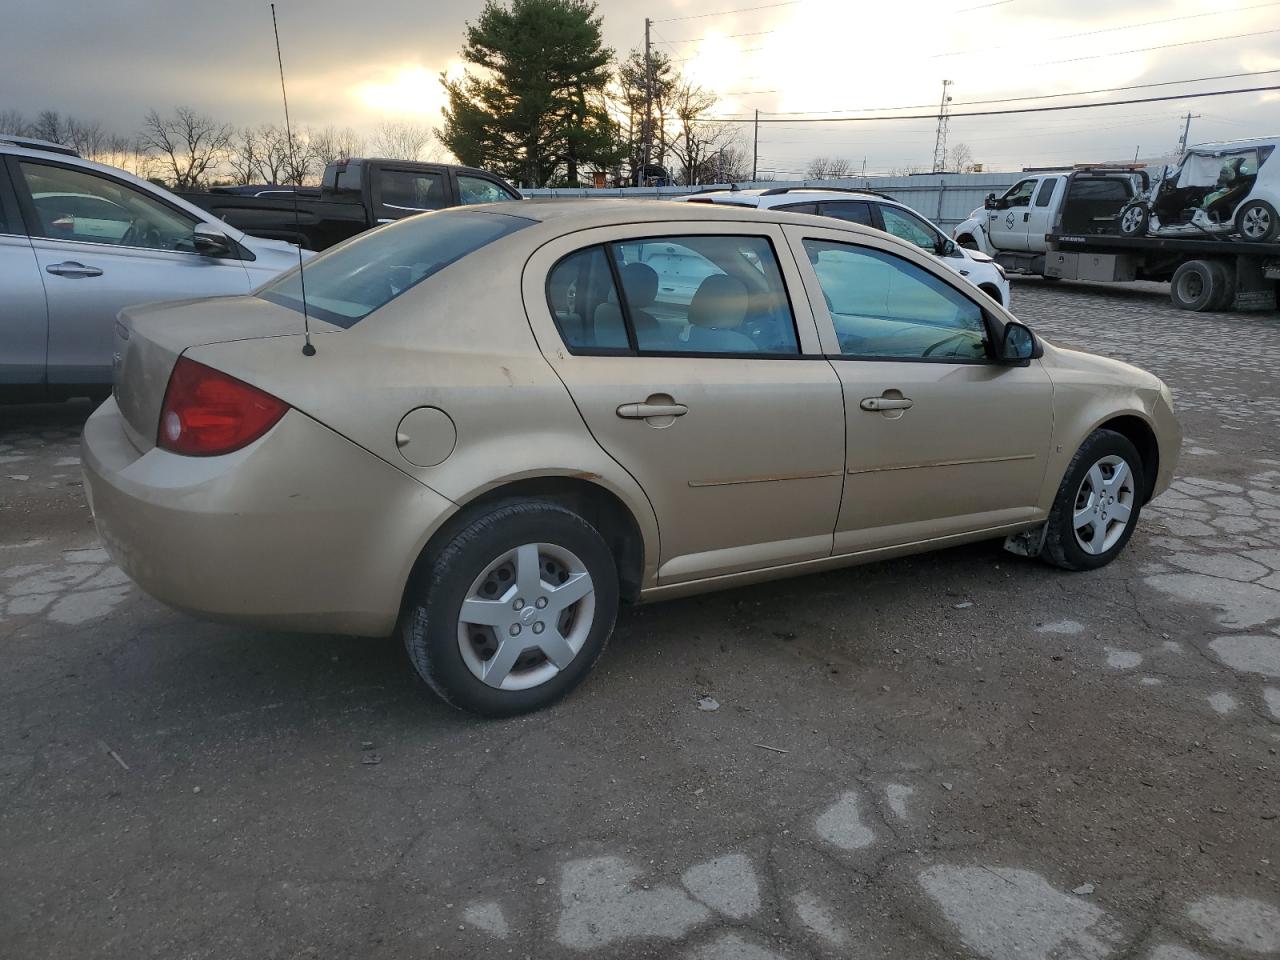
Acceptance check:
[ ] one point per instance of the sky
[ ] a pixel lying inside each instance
(359, 62)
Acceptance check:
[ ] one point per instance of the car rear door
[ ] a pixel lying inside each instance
(719, 403)
(91, 271)
(400, 191)
(941, 440)
(24, 317)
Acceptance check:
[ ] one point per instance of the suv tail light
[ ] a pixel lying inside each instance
(207, 413)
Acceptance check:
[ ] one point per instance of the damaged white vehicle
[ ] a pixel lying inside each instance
(1215, 190)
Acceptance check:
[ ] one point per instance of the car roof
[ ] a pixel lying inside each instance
(35, 143)
(766, 197)
(1234, 145)
(603, 212)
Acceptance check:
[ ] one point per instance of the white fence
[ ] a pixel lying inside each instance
(945, 198)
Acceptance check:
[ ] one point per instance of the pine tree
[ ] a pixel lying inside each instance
(533, 108)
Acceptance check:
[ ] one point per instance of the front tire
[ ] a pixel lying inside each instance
(1097, 505)
(512, 613)
(1134, 220)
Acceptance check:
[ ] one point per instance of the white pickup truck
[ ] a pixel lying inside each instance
(1067, 225)
(1013, 228)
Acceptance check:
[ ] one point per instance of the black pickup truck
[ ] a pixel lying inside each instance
(353, 195)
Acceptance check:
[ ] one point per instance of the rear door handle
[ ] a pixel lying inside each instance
(643, 411)
(876, 404)
(72, 268)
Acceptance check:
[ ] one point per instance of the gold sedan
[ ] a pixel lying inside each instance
(517, 416)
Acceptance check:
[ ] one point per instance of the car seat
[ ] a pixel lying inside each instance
(1233, 185)
(640, 283)
(717, 309)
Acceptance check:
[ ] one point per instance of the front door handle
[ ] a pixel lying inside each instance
(71, 268)
(643, 411)
(877, 404)
(1026, 217)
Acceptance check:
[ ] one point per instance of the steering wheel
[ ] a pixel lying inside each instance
(955, 336)
(141, 234)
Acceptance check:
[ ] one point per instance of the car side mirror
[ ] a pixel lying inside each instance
(946, 248)
(1018, 345)
(990, 202)
(209, 241)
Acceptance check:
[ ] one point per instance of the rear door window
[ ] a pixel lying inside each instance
(712, 295)
(402, 193)
(1045, 193)
(854, 211)
(347, 283)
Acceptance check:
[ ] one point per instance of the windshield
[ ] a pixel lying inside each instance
(349, 282)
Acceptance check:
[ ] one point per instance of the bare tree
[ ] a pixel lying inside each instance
(828, 168)
(401, 140)
(188, 144)
(15, 122)
(329, 144)
(49, 125)
(960, 158)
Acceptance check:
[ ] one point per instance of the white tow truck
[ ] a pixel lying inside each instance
(1067, 225)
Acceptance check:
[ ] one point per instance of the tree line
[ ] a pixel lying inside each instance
(189, 150)
(542, 101)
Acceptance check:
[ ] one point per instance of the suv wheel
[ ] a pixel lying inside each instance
(1097, 505)
(1257, 222)
(514, 610)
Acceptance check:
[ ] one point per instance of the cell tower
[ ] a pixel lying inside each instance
(940, 141)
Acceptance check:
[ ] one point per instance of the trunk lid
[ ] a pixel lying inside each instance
(149, 339)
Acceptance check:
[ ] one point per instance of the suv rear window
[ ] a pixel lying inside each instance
(349, 282)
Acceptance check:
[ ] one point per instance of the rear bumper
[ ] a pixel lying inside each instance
(301, 530)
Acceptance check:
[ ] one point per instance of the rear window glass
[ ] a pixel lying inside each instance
(349, 282)
(1099, 189)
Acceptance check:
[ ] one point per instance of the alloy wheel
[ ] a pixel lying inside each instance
(1104, 505)
(526, 616)
(1131, 220)
(1256, 222)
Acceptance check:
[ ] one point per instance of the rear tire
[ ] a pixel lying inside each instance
(1195, 285)
(1257, 222)
(512, 648)
(1097, 504)
(1224, 284)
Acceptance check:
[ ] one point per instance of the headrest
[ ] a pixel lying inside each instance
(640, 281)
(721, 301)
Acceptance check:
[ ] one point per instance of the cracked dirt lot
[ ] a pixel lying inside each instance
(974, 755)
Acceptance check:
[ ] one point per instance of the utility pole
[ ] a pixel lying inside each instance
(755, 148)
(1186, 131)
(646, 128)
(940, 139)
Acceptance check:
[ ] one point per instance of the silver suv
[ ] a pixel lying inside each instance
(78, 242)
(879, 211)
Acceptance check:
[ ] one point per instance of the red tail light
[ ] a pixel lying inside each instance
(207, 413)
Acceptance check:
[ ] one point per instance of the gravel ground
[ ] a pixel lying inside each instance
(957, 755)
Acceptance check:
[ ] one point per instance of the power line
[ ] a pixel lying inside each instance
(1163, 46)
(725, 13)
(993, 113)
(718, 36)
(1094, 33)
(1040, 96)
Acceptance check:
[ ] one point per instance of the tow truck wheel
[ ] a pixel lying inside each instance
(1134, 219)
(1257, 221)
(1196, 285)
(1224, 283)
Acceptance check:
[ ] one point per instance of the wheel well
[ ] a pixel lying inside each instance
(967, 238)
(1138, 432)
(992, 291)
(589, 500)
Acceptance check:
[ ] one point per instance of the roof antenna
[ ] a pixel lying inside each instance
(308, 348)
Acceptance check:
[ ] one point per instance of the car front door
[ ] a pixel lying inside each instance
(941, 439)
(719, 403)
(1007, 223)
(908, 226)
(101, 245)
(1038, 215)
(24, 318)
